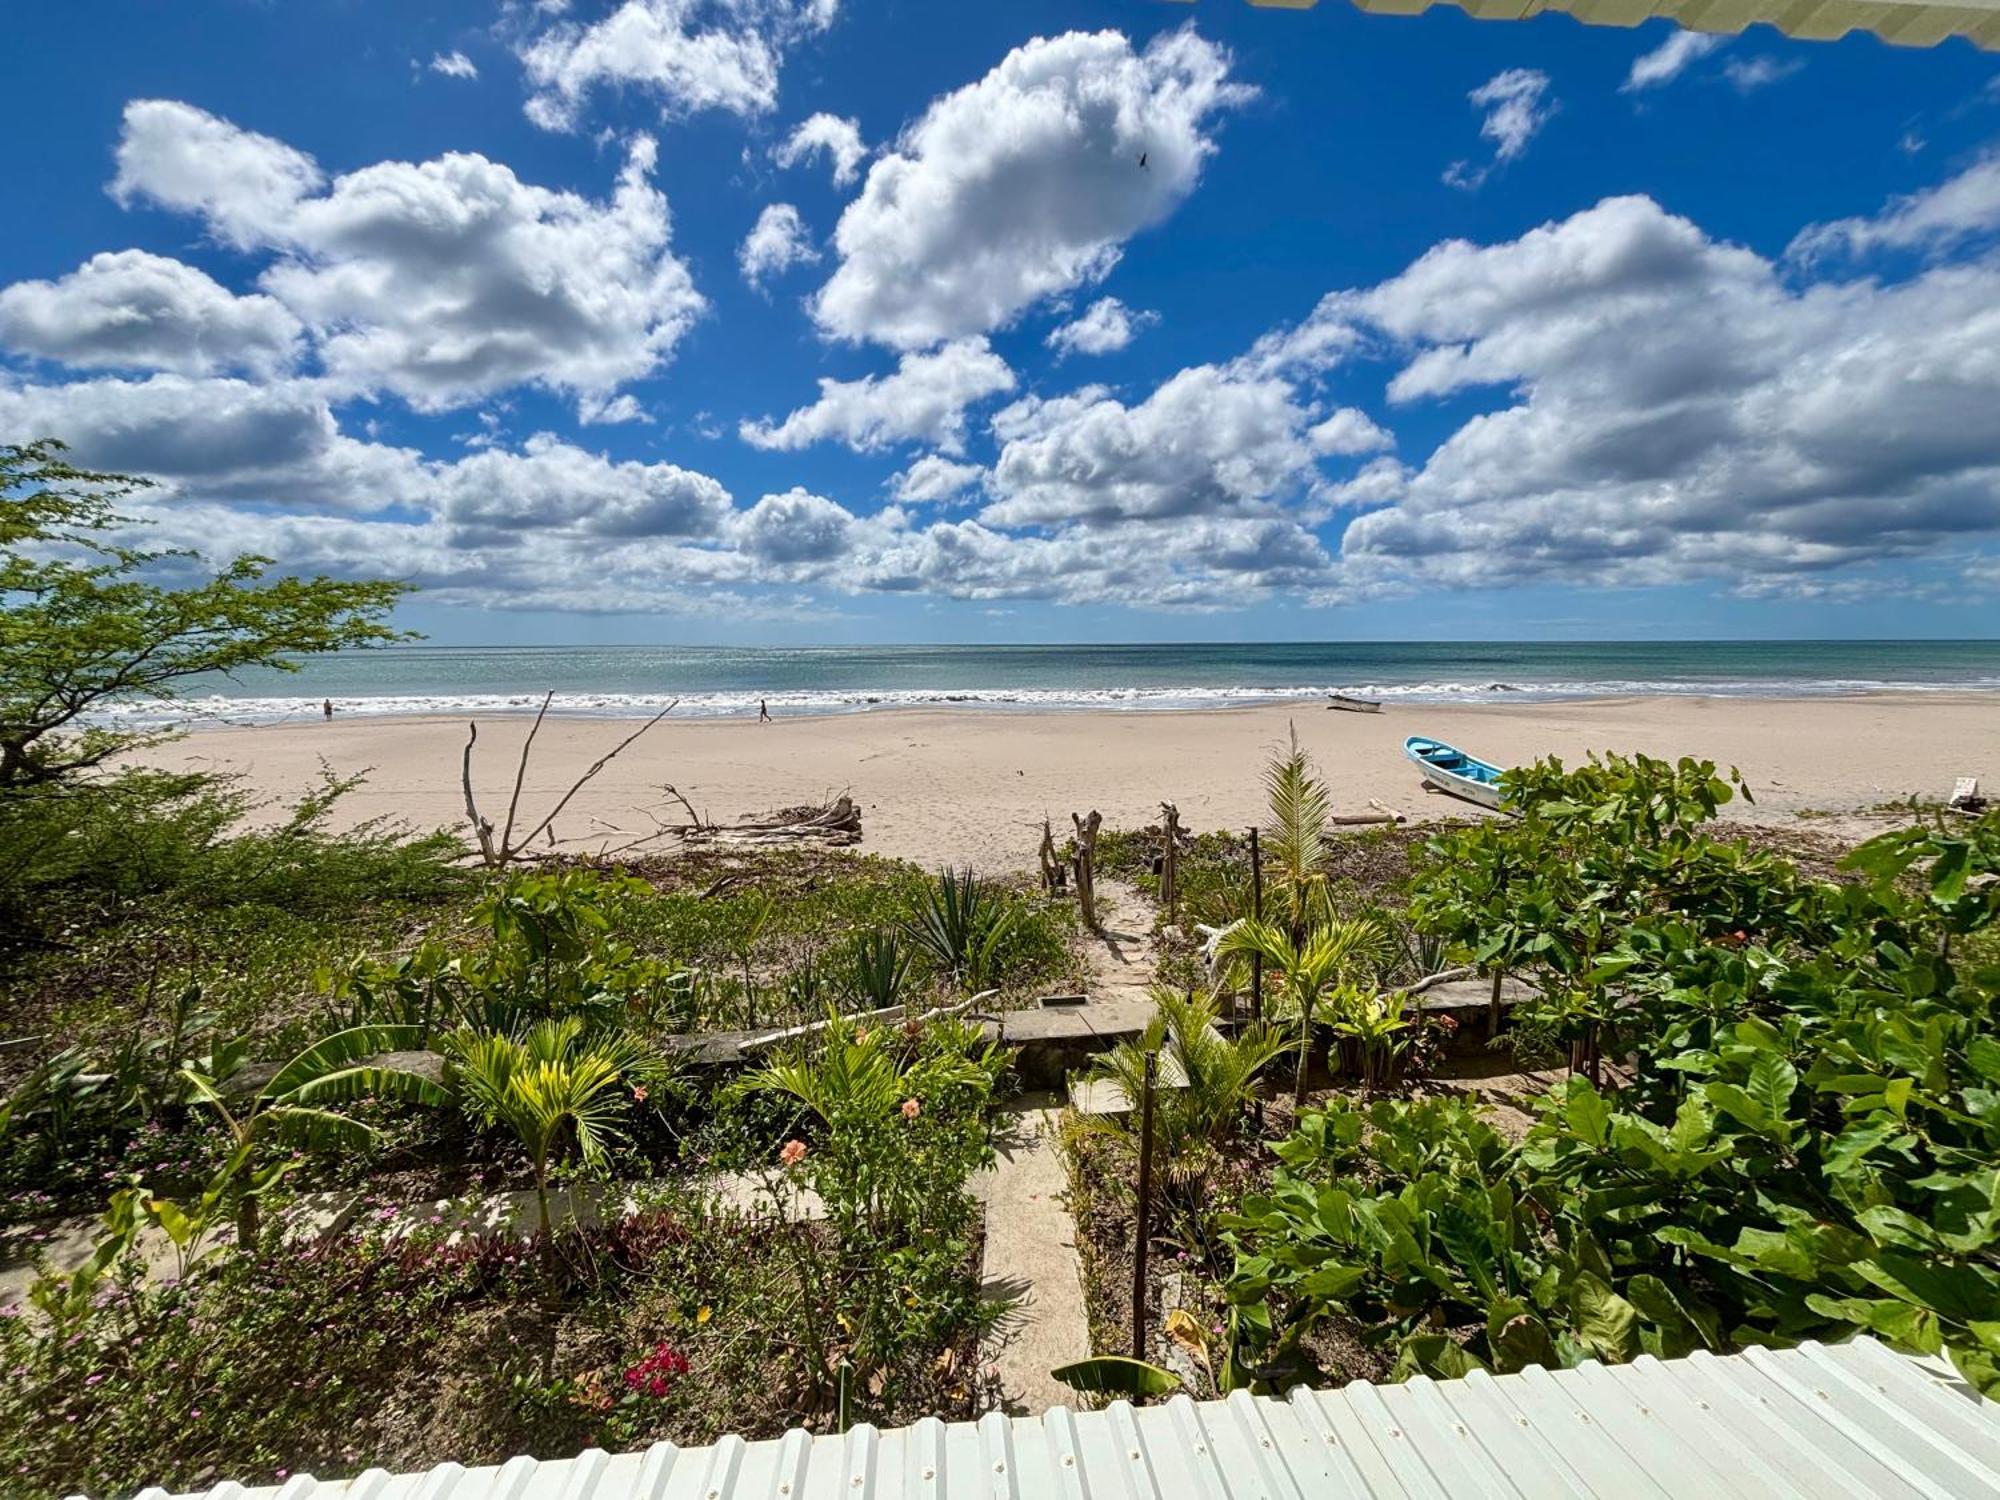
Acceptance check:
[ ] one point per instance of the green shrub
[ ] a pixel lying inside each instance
(1806, 1146)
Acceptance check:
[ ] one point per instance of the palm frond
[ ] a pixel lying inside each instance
(1300, 804)
(372, 1081)
(300, 1128)
(340, 1050)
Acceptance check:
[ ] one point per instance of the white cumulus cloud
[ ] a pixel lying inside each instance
(1937, 219)
(924, 401)
(1104, 327)
(1211, 440)
(454, 65)
(688, 55)
(1024, 185)
(439, 281)
(838, 139)
(127, 309)
(934, 479)
(1672, 409)
(776, 242)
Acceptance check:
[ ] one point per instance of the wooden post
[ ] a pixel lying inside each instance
(1145, 1209)
(1257, 911)
(1170, 823)
(1052, 868)
(1493, 1006)
(1086, 858)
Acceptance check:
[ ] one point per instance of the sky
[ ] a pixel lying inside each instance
(1034, 320)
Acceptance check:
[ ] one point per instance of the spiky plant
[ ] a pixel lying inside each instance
(553, 1087)
(1295, 844)
(290, 1110)
(873, 969)
(1341, 952)
(960, 925)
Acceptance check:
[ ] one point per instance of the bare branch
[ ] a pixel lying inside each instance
(480, 827)
(521, 771)
(599, 764)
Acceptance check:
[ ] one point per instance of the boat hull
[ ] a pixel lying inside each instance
(1353, 705)
(1451, 770)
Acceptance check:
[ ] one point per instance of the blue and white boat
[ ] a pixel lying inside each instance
(1451, 770)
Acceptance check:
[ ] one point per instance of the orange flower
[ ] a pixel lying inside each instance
(911, 1109)
(793, 1153)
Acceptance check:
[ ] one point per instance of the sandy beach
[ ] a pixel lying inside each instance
(974, 786)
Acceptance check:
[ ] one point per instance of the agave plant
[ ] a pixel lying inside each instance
(290, 1110)
(873, 970)
(1341, 953)
(960, 925)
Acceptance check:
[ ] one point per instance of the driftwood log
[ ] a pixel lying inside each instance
(832, 824)
(1055, 875)
(1084, 865)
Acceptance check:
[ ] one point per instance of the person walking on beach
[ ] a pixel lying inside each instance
(327, 708)
(763, 711)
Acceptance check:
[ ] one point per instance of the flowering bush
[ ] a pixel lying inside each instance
(655, 1374)
(900, 1119)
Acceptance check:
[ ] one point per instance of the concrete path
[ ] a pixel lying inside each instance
(1031, 1262)
(1120, 958)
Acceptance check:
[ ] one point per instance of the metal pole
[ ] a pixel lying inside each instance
(1145, 1213)
(1257, 911)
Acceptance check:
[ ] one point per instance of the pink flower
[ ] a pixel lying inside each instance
(639, 1094)
(793, 1153)
(911, 1109)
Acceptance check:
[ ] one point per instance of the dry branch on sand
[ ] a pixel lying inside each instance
(496, 854)
(831, 824)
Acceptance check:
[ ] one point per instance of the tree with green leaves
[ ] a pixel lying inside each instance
(84, 620)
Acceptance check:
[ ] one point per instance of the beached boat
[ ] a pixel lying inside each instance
(1353, 705)
(1452, 770)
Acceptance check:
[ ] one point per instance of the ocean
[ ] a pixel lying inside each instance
(712, 681)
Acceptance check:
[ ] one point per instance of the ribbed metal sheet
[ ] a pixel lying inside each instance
(1906, 23)
(1816, 1421)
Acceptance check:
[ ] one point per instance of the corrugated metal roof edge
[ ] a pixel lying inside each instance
(1901, 23)
(1853, 1418)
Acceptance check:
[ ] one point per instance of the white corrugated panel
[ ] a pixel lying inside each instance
(1818, 1421)
(1907, 23)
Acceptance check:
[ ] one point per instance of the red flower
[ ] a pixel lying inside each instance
(656, 1373)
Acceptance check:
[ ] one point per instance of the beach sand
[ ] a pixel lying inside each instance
(968, 786)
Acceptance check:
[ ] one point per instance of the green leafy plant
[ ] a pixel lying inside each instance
(553, 1087)
(1805, 1146)
(873, 970)
(1213, 1081)
(1117, 1376)
(961, 924)
(1339, 954)
(290, 1109)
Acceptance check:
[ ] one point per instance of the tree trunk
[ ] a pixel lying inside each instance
(249, 1224)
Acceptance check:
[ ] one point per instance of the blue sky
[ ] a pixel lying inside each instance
(1405, 328)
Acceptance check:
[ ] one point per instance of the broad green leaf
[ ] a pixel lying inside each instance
(1116, 1375)
(1962, 1294)
(1605, 1321)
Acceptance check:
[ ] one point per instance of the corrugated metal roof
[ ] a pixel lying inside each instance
(1819, 1420)
(1906, 23)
